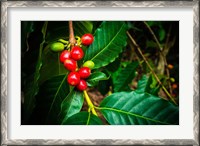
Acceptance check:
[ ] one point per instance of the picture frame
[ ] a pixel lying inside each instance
(5, 129)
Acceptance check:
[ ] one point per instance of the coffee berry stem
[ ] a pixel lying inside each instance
(78, 41)
(72, 39)
(63, 41)
(89, 102)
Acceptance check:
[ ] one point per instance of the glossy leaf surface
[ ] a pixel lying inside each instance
(95, 78)
(125, 76)
(71, 105)
(132, 108)
(51, 65)
(109, 40)
(148, 84)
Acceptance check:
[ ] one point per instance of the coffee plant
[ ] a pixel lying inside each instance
(99, 73)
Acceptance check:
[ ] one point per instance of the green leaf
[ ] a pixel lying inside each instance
(95, 78)
(83, 118)
(109, 40)
(125, 76)
(51, 65)
(143, 84)
(161, 34)
(132, 108)
(96, 25)
(71, 105)
(32, 86)
(151, 23)
(49, 99)
(148, 84)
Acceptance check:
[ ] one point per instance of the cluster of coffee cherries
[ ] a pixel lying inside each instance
(69, 58)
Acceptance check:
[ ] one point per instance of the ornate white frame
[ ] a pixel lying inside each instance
(4, 129)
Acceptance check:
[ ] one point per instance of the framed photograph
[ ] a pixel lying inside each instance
(100, 73)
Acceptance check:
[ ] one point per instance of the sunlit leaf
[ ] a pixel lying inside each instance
(132, 108)
(109, 40)
(71, 105)
(95, 78)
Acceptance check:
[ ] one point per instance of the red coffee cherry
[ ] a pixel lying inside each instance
(174, 86)
(77, 53)
(87, 39)
(73, 78)
(82, 85)
(64, 55)
(84, 72)
(70, 64)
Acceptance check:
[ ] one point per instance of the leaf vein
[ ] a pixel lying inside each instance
(132, 114)
(108, 43)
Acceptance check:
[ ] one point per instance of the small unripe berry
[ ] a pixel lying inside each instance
(64, 55)
(82, 85)
(73, 78)
(172, 80)
(57, 47)
(87, 39)
(70, 64)
(77, 53)
(170, 66)
(89, 64)
(84, 72)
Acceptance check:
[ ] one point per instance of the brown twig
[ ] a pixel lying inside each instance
(157, 42)
(72, 39)
(134, 54)
(167, 70)
(154, 36)
(144, 58)
(161, 51)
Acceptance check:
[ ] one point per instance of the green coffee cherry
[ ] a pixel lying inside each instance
(57, 47)
(172, 80)
(89, 64)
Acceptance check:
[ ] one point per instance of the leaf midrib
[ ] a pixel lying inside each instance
(56, 94)
(63, 106)
(97, 78)
(88, 120)
(108, 43)
(132, 114)
(74, 95)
